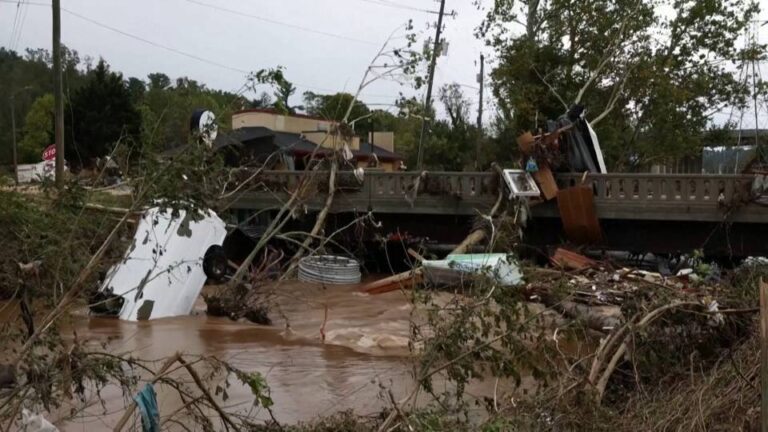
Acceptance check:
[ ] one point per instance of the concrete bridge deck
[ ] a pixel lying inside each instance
(642, 197)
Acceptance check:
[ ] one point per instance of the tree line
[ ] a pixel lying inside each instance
(652, 76)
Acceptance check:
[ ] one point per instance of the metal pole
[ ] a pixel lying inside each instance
(763, 355)
(480, 112)
(57, 93)
(13, 135)
(428, 102)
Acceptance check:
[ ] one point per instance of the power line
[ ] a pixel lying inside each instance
(285, 24)
(15, 23)
(178, 51)
(20, 30)
(155, 44)
(395, 5)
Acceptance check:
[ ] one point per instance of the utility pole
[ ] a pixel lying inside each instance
(13, 135)
(480, 80)
(428, 102)
(763, 287)
(57, 93)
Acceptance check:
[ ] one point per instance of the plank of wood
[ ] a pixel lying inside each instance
(577, 212)
(415, 255)
(395, 282)
(546, 181)
(572, 260)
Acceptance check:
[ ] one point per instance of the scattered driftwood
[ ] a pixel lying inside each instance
(572, 260)
(160, 372)
(480, 234)
(405, 280)
(320, 222)
(615, 346)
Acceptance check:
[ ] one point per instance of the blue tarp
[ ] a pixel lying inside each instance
(146, 400)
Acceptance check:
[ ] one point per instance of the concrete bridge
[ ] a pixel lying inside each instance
(653, 212)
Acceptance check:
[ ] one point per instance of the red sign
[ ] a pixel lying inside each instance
(49, 153)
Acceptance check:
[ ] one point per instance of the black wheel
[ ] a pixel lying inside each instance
(215, 263)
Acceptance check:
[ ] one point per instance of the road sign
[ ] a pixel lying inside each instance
(49, 153)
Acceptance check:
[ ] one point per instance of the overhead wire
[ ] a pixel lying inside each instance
(15, 22)
(178, 51)
(20, 29)
(401, 6)
(281, 23)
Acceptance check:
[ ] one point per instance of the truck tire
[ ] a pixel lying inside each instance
(215, 263)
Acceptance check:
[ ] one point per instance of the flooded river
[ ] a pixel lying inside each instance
(365, 349)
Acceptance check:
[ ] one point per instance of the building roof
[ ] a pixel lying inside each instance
(243, 135)
(381, 153)
(287, 141)
(295, 143)
(272, 111)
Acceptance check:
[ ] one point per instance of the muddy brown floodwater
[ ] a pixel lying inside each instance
(365, 348)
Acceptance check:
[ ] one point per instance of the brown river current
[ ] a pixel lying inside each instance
(365, 349)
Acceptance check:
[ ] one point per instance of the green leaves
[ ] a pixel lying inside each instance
(653, 73)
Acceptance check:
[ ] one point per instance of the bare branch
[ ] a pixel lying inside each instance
(551, 89)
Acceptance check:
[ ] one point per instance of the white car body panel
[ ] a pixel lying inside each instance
(162, 274)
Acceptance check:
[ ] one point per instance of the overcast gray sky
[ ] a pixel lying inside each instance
(248, 35)
(325, 45)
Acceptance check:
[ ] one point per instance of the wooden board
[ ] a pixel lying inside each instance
(405, 280)
(546, 181)
(525, 143)
(577, 212)
(572, 260)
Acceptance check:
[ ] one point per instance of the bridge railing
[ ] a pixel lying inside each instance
(381, 184)
(664, 188)
(609, 188)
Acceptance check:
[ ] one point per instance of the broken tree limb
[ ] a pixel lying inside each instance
(480, 234)
(394, 282)
(619, 354)
(199, 382)
(277, 224)
(320, 222)
(129, 412)
(73, 292)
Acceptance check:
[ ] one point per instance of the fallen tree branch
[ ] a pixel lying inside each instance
(160, 372)
(199, 382)
(320, 222)
(646, 320)
(480, 234)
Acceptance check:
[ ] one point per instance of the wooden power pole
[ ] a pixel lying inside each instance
(57, 93)
(763, 355)
(435, 52)
(480, 80)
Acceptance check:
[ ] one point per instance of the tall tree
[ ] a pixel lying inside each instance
(166, 110)
(158, 81)
(335, 106)
(38, 129)
(651, 74)
(102, 113)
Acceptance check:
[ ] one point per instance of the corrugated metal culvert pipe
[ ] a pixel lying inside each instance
(329, 269)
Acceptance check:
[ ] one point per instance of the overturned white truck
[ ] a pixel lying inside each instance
(166, 265)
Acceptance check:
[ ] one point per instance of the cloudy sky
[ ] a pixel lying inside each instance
(324, 45)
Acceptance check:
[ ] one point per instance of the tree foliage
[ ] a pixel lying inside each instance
(283, 89)
(334, 107)
(38, 129)
(101, 114)
(651, 74)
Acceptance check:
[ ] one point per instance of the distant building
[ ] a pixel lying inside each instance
(259, 133)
